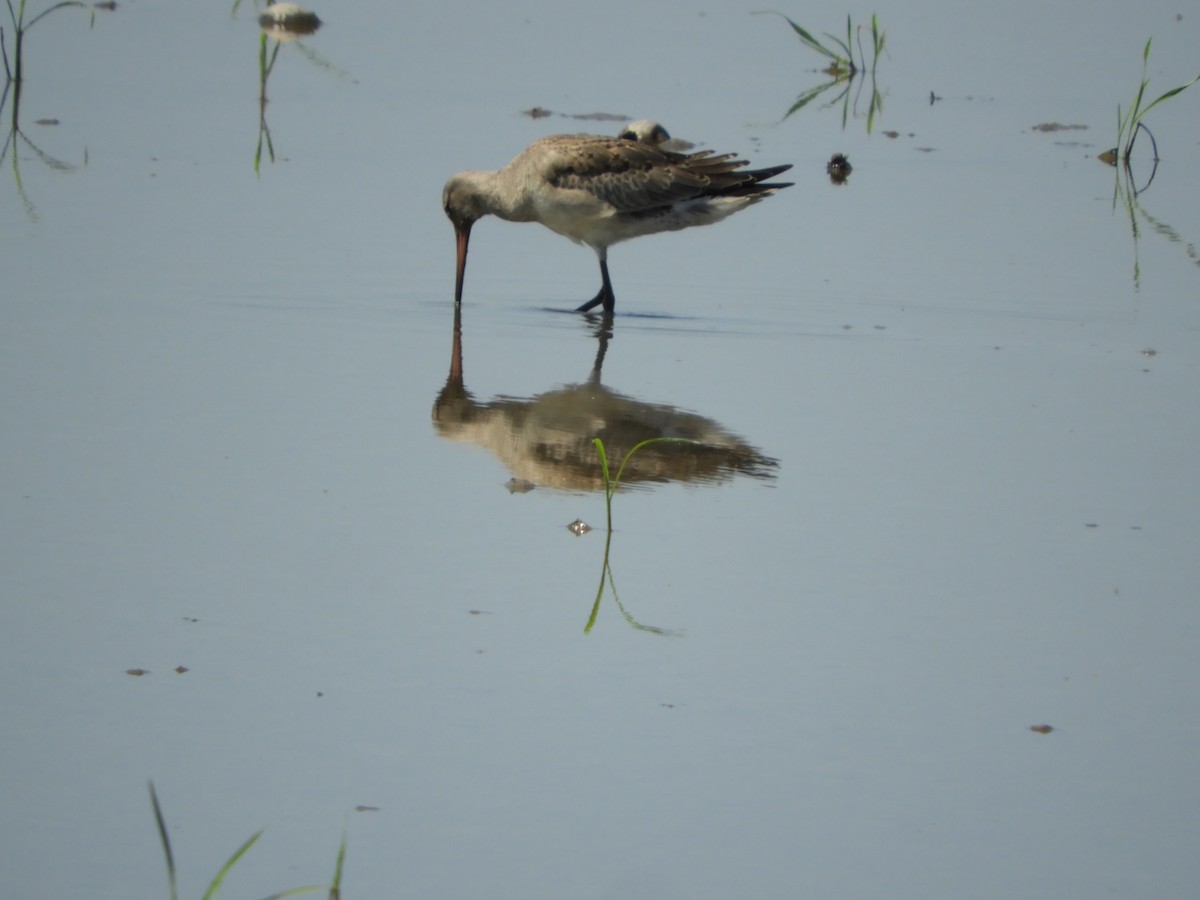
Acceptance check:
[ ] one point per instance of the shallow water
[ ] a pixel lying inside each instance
(967, 392)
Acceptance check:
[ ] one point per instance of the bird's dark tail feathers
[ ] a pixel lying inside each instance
(756, 182)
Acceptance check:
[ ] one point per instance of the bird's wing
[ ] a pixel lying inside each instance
(635, 177)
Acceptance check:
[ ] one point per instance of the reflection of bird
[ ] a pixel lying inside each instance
(546, 440)
(600, 190)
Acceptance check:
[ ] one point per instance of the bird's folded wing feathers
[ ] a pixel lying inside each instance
(634, 177)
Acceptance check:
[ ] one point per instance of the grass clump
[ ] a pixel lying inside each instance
(21, 25)
(215, 885)
(1130, 121)
(848, 60)
(841, 52)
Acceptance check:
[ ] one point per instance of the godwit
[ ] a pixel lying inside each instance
(599, 190)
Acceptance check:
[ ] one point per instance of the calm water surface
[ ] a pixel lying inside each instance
(947, 489)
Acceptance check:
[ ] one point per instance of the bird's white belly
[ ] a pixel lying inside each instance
(586, 220)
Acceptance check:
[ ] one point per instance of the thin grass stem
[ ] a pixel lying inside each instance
(335, 887)
(166, 842)
(45, 12)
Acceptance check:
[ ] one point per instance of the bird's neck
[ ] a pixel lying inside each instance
(502, 196)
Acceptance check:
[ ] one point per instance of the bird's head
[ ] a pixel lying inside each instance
(463, 202)
(464, 207)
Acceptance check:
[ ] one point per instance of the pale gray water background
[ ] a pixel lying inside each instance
(216, 399)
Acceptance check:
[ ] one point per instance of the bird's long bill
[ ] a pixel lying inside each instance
(462, 234)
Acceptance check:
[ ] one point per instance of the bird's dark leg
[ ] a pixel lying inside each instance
(606, 291)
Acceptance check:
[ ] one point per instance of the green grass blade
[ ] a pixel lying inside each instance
(307, 889)
(604, 569)
(166, 842)
(599, 445)
(805, 37)
(845, 47)
(229, 864)
(1169, 94)
(810, 95)
(1135, 111)
(1128, 125)
(610, 486)
(875, 107)
(335, 887)
(638, 446)
(811, 41)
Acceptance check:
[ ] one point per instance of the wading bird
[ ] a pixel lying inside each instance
(599, 190)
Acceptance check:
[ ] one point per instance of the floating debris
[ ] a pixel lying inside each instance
(287, 21)
(1058, 126)
(519, 486)
(540, 112)
(362, 808)
(137, 672)
(839, 168)
(181, 669)
(1041, 729)
(579, 527)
